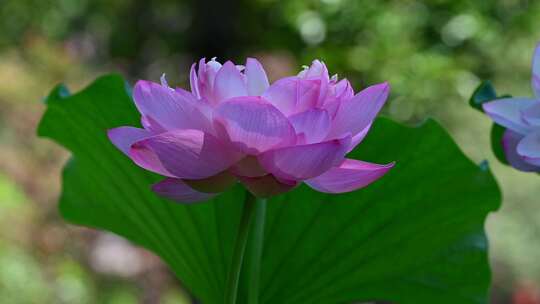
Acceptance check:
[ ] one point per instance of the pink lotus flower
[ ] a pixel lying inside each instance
(234, 126)
(521, 117)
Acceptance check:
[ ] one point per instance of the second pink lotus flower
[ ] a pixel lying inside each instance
(521, 118)
(235, 126)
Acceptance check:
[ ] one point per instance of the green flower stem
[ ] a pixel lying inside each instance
(256, 248)
(254, 210)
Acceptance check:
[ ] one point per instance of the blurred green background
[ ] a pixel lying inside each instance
(433, 53)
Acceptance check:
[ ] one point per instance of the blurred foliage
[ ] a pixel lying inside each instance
(434, 53)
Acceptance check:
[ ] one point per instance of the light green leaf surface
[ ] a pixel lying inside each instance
(415, 236)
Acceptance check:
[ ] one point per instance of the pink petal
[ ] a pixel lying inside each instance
(229, 83)
(305, 161)
(196, 114)
(194, 81)
(351, 175)
(344, 90)
(175, 189)
(257, 81)
(206, 78)
(124, 137)
(147, 159)
(252, 125)
(205, 81)
(531, 115)
(151, 125)
(358, 138)
(510, 141)
(529, 148)
(213, 66)
(355, 114)
(188, 154)
(536, 71)
(313, 123)
(308, 94)
(282, 94)
(507, 113)
(169, 108)
(332, 106)
(316, 70)
(292, 95)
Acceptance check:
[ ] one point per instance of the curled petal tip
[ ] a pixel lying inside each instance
(163, 80)
(229, 63)
(349, 176)
(385, 85)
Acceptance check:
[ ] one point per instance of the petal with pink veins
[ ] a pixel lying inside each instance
(171, 109)
(529, 148)
(197, 114)
(349, 176)
(510, 140)
(253, 125)
(305, 161)
(229, 83)
(175, 189)
(257, 81)
(355, 114)
(507, 112)
(313, 123)
(188, 154)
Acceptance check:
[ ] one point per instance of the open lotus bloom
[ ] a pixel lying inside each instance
(521, 118)
(235, 126)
